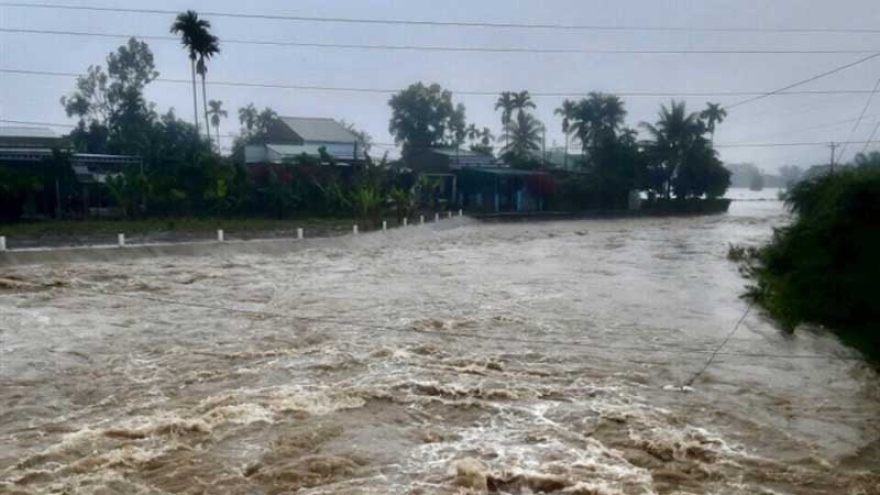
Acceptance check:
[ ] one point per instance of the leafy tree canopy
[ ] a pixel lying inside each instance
(425, 116)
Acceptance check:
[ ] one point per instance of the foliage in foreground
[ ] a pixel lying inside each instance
(823, 268)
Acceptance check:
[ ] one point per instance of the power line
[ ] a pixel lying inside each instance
(871, 139)
(492, 93)
(861, 116)
(708, 363)
(779, 145)
(383, 144)
(804, 81)
(464, 24)
(456, 49)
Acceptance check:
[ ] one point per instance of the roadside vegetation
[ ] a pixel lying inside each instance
(822, 269)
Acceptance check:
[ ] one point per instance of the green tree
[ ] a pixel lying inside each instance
(217, 112)
(672, 137)
(507, 105)
(403, 202)
(423, 117)
(483, 142)
(193, 35)
(567, 112)
(596, 119)
(255, 124)
(525, 137)
(114, 115)
(823, 268)
(713, 114)
(865, 160)
(128, 190)
(207, 46)
(522, 101)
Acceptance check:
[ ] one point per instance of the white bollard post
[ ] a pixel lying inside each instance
(436, 217)
(460, 212)
(422, 219)
(405, 221)
(354, 229)
(299, 234)
(448, 214)
(220, 236)
(2, 243)
(120, 239)
(384, 225)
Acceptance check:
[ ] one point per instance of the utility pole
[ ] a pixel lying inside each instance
(833, 147)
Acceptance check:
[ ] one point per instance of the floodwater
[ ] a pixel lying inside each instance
(458, 358)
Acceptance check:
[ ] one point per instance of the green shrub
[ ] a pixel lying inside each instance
(824, 268)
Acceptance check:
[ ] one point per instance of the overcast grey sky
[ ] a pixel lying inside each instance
(779, 119)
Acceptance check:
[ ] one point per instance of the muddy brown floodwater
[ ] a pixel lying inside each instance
(464, 358)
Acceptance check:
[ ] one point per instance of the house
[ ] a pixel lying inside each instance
(444, 165)
(445, 160)
(503, 189)
(290, 137)
(25, 153)
(29, 146)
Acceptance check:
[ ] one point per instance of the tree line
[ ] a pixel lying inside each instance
(184, 171)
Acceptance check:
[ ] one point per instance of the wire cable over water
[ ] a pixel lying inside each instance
(723, 343)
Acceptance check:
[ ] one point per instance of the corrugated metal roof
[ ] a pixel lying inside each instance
(294, 149)
(319, 129)
(28, 132)
(460, 152)
(505, 171)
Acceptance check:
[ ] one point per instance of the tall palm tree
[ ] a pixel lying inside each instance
(191, 29)
(207, 45)
(522, 101)
(525, 135)
(713, 114)
(672, 137)
(217, 112)
(506, 104)
(611, 112)
(567, 112)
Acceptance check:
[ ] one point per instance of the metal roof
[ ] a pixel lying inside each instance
(28, 132)
(294, 149)
(462, 152)
(505, 171)
(319, 130)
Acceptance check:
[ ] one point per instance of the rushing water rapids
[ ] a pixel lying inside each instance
(509, 358)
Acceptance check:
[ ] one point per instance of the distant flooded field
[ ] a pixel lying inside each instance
(501, 358)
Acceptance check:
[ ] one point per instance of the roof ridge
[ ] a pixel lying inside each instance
(308, 118)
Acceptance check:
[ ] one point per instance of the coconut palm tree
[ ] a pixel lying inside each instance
(567, 112)
(506, 104)
(611, 112)
(217, 112)
(522, 101)
(525, 136)
(207, 45)
(675, 133)
(713, 114)
(597, 119)
(191, 30)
